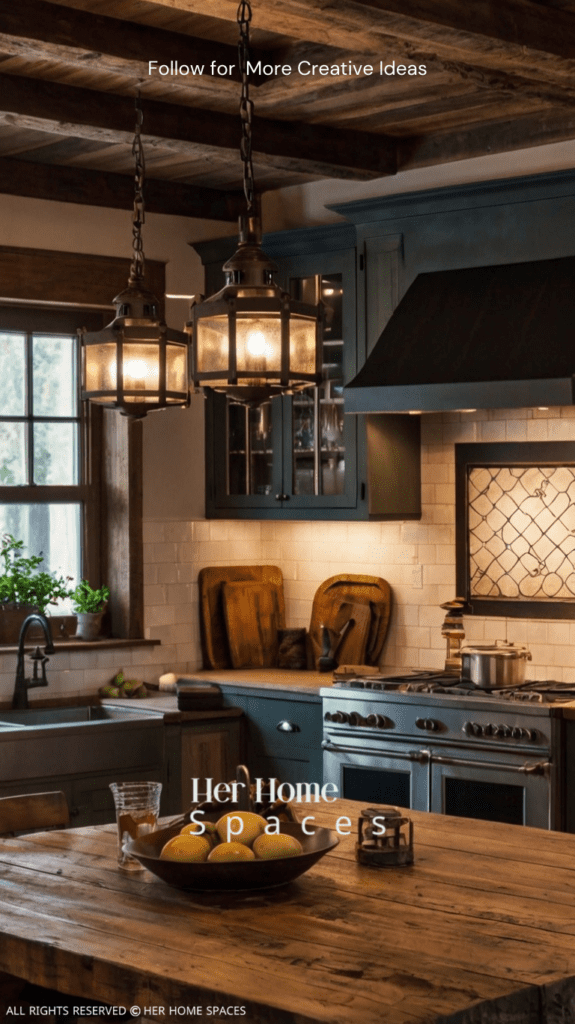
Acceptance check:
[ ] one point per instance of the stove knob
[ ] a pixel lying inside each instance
(490, 730)
(517, 733)
(504, 731)
(469, 728)
(355, 719)
(378, 721)
(340, 717)
(531, 734)
(429, 724)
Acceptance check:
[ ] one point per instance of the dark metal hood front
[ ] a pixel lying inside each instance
(481, 338)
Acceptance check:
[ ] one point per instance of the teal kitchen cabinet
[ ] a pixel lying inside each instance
(300, 456)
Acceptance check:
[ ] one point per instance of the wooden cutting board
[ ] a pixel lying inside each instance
(213, 632)
(251, 614)
(364, 599)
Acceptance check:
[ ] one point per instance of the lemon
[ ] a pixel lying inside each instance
(186, 848)
(208, 831)
(231, 851)
(270, 847)
(252, 825)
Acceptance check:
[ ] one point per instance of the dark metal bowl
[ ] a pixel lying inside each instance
(231, 875)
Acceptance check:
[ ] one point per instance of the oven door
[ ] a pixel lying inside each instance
(395, 774)
(517, 790)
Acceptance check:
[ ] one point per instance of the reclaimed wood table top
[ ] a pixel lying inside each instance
(481, 928)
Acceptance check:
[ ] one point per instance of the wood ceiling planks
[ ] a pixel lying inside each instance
(498, 77)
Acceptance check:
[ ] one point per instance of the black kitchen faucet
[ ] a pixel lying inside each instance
(21, 683)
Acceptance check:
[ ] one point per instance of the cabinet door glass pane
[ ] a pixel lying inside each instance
(318, 421)
(250, 452)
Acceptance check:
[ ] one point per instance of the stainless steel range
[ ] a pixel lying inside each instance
(431, 742)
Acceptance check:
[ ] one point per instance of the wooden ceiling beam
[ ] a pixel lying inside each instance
(96, 188)
(293, 146)
(516, 37)
(502, 136)
(53, 32)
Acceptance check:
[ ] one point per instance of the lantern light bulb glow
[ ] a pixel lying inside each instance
(137, 369)
(256, 344)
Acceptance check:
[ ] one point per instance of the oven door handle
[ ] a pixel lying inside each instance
(531, 768)
(423, 756)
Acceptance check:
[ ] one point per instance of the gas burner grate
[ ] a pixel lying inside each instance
(534, 691)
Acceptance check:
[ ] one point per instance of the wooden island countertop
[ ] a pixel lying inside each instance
(480, 929)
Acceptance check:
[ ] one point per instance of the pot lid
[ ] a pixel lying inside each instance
(501, 649)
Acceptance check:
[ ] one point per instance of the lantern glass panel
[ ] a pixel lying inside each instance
(212, 349)
(176, 369)
(141, 370)
(100, 368)
(302, 344)
(258, 345)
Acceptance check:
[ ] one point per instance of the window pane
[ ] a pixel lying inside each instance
(52, 530)
(13, 454)
(13, 376)
(54, 376)
(55, 453)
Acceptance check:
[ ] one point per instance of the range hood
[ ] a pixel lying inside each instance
(481, 338)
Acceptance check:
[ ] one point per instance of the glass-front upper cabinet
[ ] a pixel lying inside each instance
(294, 455)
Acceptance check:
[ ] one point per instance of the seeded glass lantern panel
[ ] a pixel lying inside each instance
(139, 353)
(270, 345)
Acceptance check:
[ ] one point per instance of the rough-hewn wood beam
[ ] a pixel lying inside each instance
(96, 188)
(517, 37)
(493, 137)
(304, 148)
(51, 31)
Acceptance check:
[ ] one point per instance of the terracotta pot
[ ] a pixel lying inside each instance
(89, 625)
(11, 618)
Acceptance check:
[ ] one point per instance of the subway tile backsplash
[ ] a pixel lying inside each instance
(417, 559)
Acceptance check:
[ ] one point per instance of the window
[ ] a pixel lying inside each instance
(47, 497)
(94, 486)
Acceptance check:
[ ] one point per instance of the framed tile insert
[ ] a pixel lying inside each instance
(515, 528)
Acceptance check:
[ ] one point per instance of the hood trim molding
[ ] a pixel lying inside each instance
(493, 394)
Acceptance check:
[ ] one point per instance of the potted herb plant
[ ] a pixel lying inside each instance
(24, 587)
(89, 606)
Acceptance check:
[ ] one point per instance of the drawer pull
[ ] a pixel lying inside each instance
(286, 726)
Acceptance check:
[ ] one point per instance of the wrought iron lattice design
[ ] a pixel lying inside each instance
(521, 532)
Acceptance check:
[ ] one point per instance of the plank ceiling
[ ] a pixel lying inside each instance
(500, 77)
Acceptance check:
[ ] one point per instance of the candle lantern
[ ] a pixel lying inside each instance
(385, 837)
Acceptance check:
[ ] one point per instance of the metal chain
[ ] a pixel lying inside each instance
(246, 104)
(138, 217)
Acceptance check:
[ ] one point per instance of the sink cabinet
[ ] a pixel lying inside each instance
(283, 734)
(82, 761)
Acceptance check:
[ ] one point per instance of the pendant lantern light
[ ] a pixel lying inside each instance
(252, 340)
(136, 364)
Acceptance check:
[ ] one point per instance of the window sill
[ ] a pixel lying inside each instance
(72, 644)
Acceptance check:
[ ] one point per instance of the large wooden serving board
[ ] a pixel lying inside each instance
(366, 601)
(213, 631)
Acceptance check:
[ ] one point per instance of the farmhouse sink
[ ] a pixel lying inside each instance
(46, 717)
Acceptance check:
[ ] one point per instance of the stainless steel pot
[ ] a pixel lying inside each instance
(494, 666)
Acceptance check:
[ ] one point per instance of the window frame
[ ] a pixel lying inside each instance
(112, 550)
(30, 320)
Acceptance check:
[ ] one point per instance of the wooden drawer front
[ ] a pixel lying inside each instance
(283, 726)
